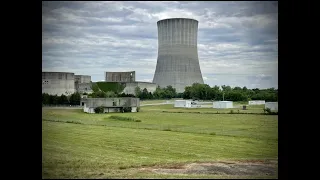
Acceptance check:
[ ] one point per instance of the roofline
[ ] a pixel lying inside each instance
(177, 18)
(57, 72)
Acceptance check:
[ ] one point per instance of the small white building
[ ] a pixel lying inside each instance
(110, 104)
(182, 103)
(273, 106)
(222, 104)
(257, 102)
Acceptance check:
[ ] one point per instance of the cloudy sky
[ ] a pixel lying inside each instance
(237, 41)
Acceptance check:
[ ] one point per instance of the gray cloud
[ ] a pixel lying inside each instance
(237, 41)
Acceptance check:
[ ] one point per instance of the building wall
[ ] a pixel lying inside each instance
(83, 87)
(272, 106)
(82, 78)
(257, 102)
(222, 104)
(91, 103)
(130, 87)
(120, 76)
(58, 83)
(177, 62)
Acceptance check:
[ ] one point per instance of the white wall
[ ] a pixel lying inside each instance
(272, 105)
(222, 104)
(180, 103)
(257, 102)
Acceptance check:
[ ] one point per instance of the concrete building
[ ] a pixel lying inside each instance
(84, 88)
(110, 104)
(58, 83)
(130, 87)
(120, 76)
(177, 62)
(82, 84)
(82, 79)
(273, 106)
(257, 102)
(222, 104)
(186, 104)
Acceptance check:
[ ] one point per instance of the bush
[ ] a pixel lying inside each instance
(124, 118)
(138, 109)
(99, 109)
(127, 109)
(231, 112)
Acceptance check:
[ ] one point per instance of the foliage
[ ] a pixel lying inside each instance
(95, 87)
(111, 86)
(138, 109)
(205, 92)
(99, 109)
(75, 99)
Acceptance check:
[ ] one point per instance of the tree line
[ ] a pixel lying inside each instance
(196, 91)
(73, 99)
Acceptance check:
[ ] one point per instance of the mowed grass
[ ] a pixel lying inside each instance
(101, 147)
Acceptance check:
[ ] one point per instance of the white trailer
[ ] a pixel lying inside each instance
(273, 106)
(257, 102)
(183, 103)
(222, 104)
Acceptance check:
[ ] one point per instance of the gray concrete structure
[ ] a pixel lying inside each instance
(130, 87)
(120, 76)
(83, 87)
(82, 79)
(58, 83)
(177, 62)
(110, 104)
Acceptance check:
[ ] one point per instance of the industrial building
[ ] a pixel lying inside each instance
(120, 76)
(257, 102)
(273, 106)
(82, 79)
(186, 104)
(222, 104)
(58, 83)
(110, 104)
(177, 62)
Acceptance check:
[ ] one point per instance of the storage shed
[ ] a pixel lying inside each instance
(222, 104)
(182, 103)
(273, 106)
(257, 102)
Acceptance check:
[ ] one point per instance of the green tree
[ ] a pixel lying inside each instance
(75, 99)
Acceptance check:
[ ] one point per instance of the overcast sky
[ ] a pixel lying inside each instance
(237, 41)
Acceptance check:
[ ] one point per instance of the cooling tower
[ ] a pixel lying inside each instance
(177, 62)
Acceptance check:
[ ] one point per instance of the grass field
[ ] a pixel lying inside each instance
(78, 145)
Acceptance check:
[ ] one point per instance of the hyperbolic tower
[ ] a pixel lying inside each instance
(177, 63)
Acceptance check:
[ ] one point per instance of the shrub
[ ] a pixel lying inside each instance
(231, 112)
(138, 109)
(127, 109)
(99, 109)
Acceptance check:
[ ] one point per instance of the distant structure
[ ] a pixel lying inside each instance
(257, 102)
(120, 76)
(82, 78)
(110, 104)
(273, 106)
(177, 62)
(129, 80)
(82, 84)
(58, 83)
(186, 104)
(222, 104)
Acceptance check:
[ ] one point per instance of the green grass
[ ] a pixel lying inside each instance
(79, 145)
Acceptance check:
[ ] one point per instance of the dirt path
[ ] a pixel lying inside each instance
(236, 168)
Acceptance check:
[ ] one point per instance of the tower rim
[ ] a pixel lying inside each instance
(177, 18)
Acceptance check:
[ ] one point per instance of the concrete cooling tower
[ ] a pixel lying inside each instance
(178, 62)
